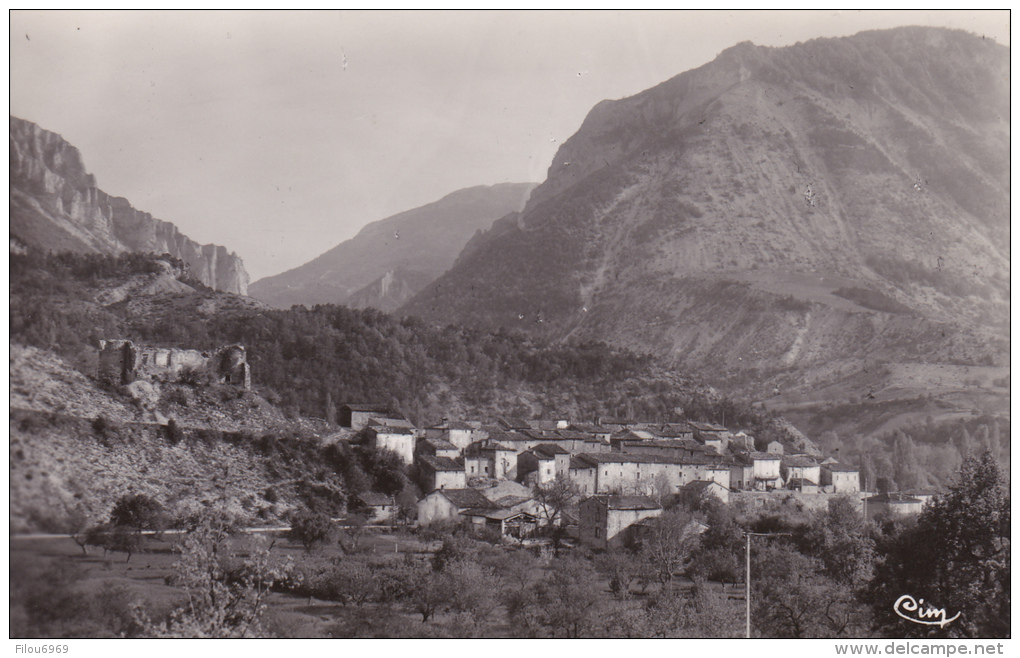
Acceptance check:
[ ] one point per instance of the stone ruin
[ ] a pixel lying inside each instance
(122, 362)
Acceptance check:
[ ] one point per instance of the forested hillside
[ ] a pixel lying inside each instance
(311, 360)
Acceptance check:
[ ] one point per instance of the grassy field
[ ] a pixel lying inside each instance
(41, 566)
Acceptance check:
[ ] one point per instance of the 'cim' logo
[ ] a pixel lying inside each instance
(928, 615)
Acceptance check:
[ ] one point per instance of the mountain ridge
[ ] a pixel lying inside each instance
(56, 205)
(424, 241)
(827, 159)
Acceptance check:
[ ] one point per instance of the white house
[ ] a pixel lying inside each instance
(837, 478)
(400, 440)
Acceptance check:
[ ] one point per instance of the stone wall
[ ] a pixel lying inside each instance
(122, 362)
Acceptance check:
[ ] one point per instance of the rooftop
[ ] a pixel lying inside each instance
(440, 463)
(440, 443)
(894, 498)
(472, 498)
(837, 467)
(698, 486)
(378, 408)
(611, 501)
(799, 462)
(374, 499)
(550, 449)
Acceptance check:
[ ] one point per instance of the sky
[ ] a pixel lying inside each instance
(281, 134)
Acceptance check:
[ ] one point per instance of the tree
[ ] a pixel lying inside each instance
(670, 543)
(140, 512)
(792, 598)
(956, 557)
(350, 532)
(407, 505)
(838, 538)
(226, 590)
(348, 582)
(114, 538)
(721, 547)
(621, 570)
(570, 600)
(474, 588)
(78, 526)
(554, 498)
(312, 529)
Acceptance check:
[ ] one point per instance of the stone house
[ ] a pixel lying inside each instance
(802, 485)
(669, 448)
(712, 435)
(741, 474)
(673, 431)
(801, 467)
(775, 448)
(698, 490)
(357, 416)
(597, 432)
(490, 459)
(923, 495)
(559, 454)
(765, 474)
(617, 472)
(604, 519)
(538, 466)
(441, 473)
(742, 441)
(837, 478)
(438, 447)
(449, 504)
(400, 440)
(892, 504)
(459, 433)
(377, 507)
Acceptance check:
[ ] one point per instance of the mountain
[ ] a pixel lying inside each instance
(391, 259)
(56, 206)
(776, 217)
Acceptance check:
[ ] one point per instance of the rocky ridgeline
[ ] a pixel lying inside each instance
(56, 206)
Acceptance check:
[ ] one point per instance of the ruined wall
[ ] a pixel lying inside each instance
(122, 362)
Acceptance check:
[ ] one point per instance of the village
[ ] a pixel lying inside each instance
(598, 481)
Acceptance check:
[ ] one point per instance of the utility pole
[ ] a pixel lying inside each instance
(747, 584)
(747, 576)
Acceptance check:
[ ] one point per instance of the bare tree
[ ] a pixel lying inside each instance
(671, 543)
(554, 498)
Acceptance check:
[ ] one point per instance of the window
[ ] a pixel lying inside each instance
(472, 470)
(598, 532)
(486, 469)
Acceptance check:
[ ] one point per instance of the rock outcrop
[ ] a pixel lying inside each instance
(55, 205)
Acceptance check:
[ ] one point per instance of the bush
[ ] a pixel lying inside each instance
(312, 529)
(140, 512)
(174, 434)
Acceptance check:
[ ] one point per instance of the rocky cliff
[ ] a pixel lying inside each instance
(391, 259)
(791, 209)
(55, 205)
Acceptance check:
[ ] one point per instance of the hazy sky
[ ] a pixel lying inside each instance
(281, 134)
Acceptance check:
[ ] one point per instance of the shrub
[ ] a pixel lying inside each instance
(312, 529)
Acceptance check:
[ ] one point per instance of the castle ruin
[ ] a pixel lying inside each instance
(122, 362)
